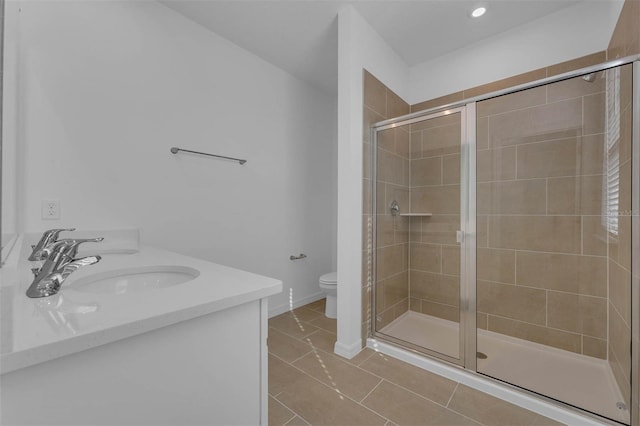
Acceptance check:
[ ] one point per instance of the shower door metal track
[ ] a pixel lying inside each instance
(464, 190)
(635, 249)
(414, 116)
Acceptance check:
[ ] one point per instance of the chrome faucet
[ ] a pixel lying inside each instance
(59, 265)
(48, 238)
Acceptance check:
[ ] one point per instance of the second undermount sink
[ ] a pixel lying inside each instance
(135, 280)
(92, 251)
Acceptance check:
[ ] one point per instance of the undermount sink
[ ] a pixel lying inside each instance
(135, 280)
(92, 251)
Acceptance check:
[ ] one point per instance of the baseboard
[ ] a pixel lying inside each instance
(281, 309)
(504, 392)
(348, 351)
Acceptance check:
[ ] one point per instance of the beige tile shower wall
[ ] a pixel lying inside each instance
(392, 291)
(434, 260)
(542, 251)
(625, 40)
(619, 255)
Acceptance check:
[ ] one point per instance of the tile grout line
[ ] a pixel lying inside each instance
(550, 328)
(369, 372)
(325, 329)
(466, 417)
(546, 198)
(295, 414)
(515, 267)
(546, 308)
(328, 387)
(563, 253)
(430, 400)
(555, 139)
(369, 107)
(292, 336)
(280, 359)
(286, 406)
(388, 420)
(272, 395)
(305, 354)
(409, 390)
(366, 359)
(371, 391)
(542, 105)
(294, 417)
(452, 393)
(582, 237)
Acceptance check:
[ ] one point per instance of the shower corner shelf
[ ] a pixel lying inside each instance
(395, 211)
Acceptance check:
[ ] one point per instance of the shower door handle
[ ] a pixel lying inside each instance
(460, 237)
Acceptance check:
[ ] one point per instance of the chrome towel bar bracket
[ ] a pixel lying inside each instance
(175, 150)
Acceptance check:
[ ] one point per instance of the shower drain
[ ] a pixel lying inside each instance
(621, 406)
(481, 355)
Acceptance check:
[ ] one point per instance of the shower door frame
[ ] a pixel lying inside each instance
(635, 247)
(465, 186)
(468, 296)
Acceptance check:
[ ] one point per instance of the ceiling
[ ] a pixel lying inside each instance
(301, 36)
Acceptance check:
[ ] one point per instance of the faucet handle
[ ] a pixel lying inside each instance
(55, 232)
(50, 285)
(58, 246)
(74, 265)
(48, 237)
(69, 247)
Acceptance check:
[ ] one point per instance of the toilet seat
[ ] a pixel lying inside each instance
(330, 279)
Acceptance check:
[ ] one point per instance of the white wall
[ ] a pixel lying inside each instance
(567, 34)
(106, 88)
(9, 142)
(359, 46)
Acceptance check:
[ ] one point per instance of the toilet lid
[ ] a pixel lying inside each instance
(330, 278)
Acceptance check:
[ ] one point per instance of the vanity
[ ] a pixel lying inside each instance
(144, 337)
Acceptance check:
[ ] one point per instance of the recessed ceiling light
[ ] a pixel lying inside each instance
(478, 12)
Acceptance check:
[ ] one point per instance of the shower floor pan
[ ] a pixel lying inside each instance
(582, 381)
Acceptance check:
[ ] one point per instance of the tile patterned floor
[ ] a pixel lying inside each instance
(309, 385)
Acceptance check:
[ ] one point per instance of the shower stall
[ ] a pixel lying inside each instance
(505, 239)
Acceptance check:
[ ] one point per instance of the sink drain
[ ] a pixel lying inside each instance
(621, 406)
(481, 355)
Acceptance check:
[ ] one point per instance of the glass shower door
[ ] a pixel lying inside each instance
(417, 230)
(554, 240)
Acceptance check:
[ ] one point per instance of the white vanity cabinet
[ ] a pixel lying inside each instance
(185, 358)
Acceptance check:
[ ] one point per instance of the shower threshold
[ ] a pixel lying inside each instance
(579, 380)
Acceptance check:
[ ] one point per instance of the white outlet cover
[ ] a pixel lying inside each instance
(50, 209)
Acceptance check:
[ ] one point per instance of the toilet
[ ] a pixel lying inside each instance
(329, 284)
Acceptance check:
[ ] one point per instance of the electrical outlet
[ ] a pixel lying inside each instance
(51, 209)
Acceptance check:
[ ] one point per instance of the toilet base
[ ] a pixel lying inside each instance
(331, 309)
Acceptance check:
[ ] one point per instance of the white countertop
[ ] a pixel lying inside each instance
(37, 330)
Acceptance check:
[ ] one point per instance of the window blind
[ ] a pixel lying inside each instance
(611, 184)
